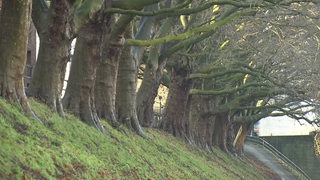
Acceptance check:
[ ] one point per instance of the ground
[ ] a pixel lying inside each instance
(267, 162)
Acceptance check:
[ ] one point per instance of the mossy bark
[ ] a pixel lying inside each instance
(220, 132)
(175, 120)
(15, 21)
(201, 122)
(152, 76)
(240, 137)
(79, 95)
(105, 85)
(55, 31)
(107, 72)
(209, 128)
(147, 93)
(126, 92)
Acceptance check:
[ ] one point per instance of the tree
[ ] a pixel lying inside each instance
(126, 92)
(79, 95)
(96, 32)
(176, 120)
(55, 28)
(106, 76)
(262, 83)
(15, 22)
(57, 24)
(107, 72)
(152, 75)
(127, 77)
(239, 110)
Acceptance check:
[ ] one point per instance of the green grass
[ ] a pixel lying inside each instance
(67, 148)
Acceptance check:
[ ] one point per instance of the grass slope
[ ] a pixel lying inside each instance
(69, 149)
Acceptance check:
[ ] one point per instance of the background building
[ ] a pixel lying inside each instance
(31, 56)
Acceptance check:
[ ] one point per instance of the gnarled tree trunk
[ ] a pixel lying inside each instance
(147, 93)
(105, 85)
(202, 123)
(107, 73)
(126, 92)
(55, 31)
(175, 120)
(241, 133)
(152, 76)
(220, 132)
(14, 28)
(79, 95)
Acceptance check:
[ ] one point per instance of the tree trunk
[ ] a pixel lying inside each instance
(144, 32)
(107, 72)
(126, 92)
(54, 53)
(15, 22)
(147, 93)
(220, 132)
(151, 79)
(105, 85)
(241, 137)
(174, 119)
(202, 123)
(79, 95)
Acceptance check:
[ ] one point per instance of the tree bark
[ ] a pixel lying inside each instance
(105, 85)
(151, 79)
(147, 93)
(174, 119)
(201, 122)
(79, 95)
(55, 32)
(240, 137)
(107, 73)
(15, 21)
(220, 133)
(126, 92)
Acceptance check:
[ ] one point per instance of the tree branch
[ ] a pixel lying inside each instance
(132, 4)
(188, 34)
(39, 14)
(226, 91)
(148, 13)
(219, 74)
(174, 11)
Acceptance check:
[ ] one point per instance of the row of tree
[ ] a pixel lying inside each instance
(227, 63)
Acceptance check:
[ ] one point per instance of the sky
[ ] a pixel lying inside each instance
(283, 126)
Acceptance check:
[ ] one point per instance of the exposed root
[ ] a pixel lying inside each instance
(18, 97)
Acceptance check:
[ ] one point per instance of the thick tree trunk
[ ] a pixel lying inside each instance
(105, 85)
(79, 95)
(151, 79)
(54, 53)
(46, 84)
(202, 123)
(107, 72)
(147, 93)
(126, 92)
(175, 120)
(14, 23)
(220, 133)
(240, 137)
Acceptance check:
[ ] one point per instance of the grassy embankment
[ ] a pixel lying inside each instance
(69, 149)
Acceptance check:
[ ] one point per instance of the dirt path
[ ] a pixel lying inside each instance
(269, 160)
